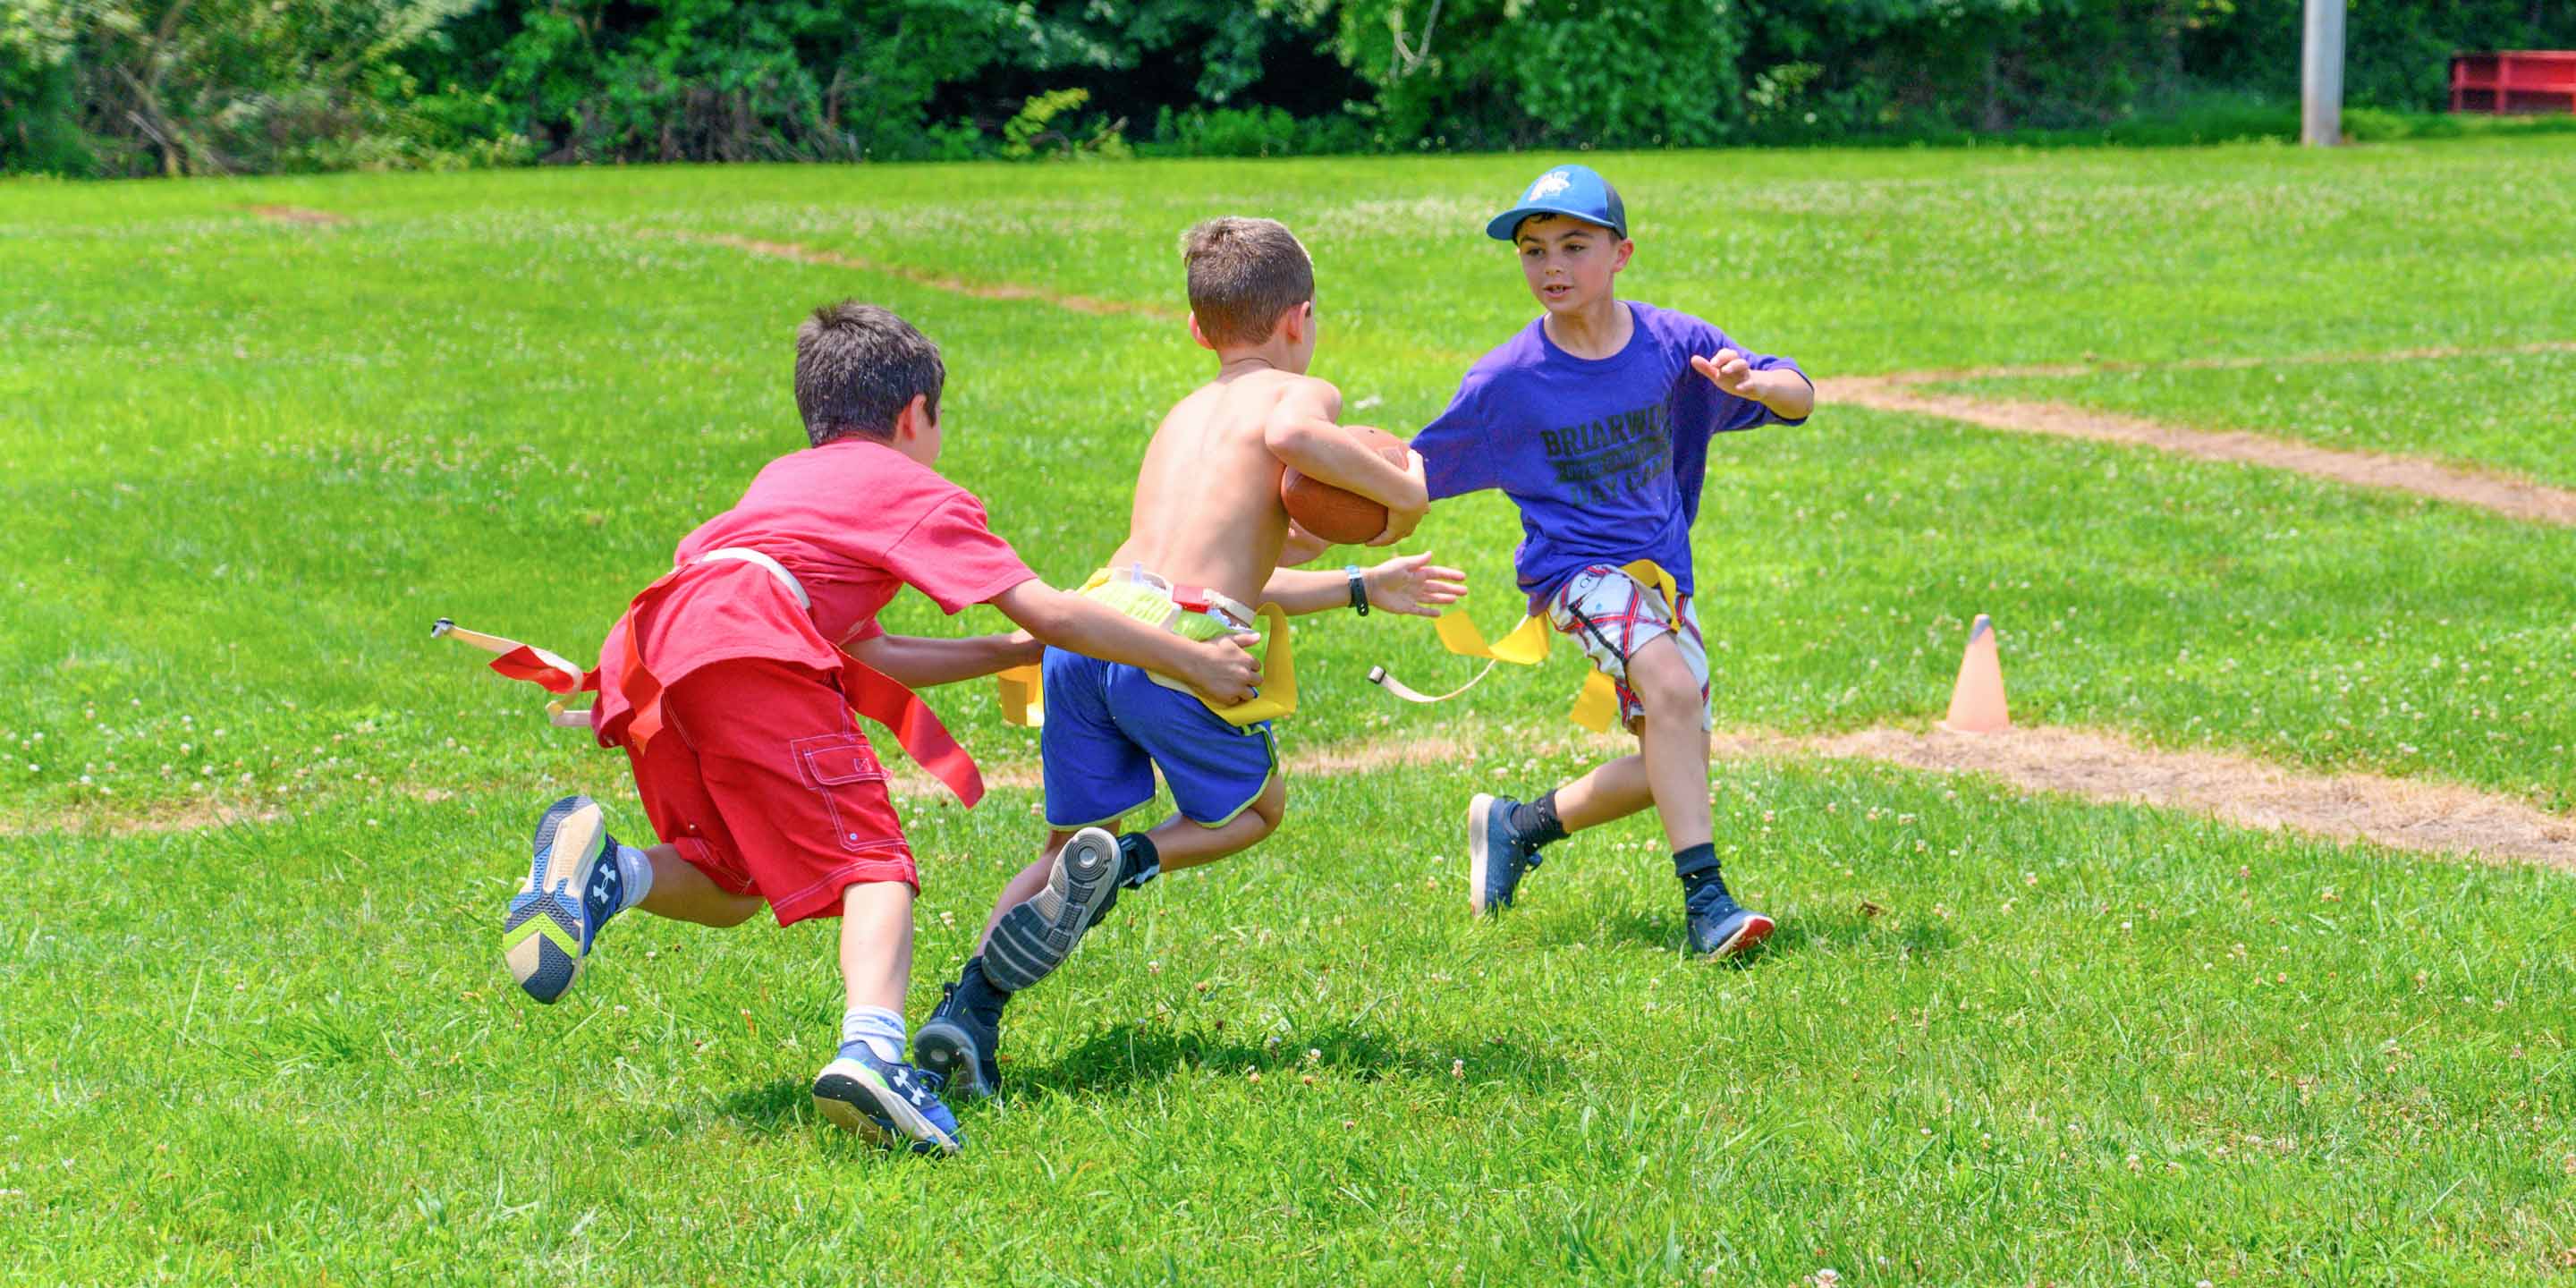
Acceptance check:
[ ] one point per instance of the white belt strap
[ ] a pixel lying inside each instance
(740, 554)
(1226, 610)
(1235, 614)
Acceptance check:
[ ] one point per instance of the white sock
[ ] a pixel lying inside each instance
(880, 1028)
(634, 876)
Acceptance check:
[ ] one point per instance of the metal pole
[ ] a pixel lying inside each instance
(2321, 76)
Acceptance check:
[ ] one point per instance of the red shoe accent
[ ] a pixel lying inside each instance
(1754, 932)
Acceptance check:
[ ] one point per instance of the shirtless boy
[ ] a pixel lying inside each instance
(1203, 546)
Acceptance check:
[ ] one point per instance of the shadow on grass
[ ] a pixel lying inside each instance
(777, 1106)
(782, 1108)
(1131, 1056)
(1911, 937)
(1838, 931)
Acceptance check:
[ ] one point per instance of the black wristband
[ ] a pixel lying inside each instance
(1359, 588)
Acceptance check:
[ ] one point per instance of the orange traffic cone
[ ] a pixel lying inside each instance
(1977, 704)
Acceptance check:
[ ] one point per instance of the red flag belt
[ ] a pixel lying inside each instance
(867, 691)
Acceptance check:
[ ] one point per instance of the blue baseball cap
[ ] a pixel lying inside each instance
(1566, 190)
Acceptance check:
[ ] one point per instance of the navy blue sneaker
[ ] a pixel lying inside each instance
(960, 1043)
(573, 888)
(894, 1103)
(1497, 858)
(1719, 926)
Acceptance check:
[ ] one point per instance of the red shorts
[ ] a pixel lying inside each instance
(761, 780)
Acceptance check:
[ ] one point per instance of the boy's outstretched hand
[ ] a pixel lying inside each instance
(1789, 394)
(1224, 671)
(1413, 584)
(1728, 371)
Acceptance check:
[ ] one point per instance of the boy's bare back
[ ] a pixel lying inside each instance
(1207, 499)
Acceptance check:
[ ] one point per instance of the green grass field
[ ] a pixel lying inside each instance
(246, 462)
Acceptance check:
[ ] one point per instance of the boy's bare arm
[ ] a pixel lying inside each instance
(1789, 395)
(1301, 546)
(916, 662)
(1301, 431)
(1220, 669)
(1409, 584)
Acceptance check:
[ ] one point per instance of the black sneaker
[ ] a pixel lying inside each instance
(961, 1040)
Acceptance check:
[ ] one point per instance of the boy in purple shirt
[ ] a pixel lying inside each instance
(1596, 421)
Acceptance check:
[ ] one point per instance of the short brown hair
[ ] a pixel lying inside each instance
(1244, 273)
(857, 367)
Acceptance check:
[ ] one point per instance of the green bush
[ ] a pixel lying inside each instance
(123, 87)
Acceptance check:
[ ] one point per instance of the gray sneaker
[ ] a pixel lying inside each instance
(1035, 936)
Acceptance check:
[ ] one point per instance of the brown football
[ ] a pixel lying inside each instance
(1343, 518)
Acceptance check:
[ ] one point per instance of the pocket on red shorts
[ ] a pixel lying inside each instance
(844, 770)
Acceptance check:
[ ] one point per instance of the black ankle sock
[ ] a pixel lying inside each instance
(1139, 862)
(979, 996)
(1697, 868)
(1536, 821)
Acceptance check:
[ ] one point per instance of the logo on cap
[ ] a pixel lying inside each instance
(1548, 185)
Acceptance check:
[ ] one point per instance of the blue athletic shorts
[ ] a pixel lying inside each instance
(1109, 727)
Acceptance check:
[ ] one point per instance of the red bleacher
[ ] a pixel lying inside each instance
(2518, 80)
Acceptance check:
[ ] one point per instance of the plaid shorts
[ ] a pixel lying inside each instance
(1611, 615)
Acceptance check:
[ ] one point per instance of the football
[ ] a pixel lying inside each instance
(1343, 518)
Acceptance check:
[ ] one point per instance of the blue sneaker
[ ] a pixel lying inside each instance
(1497, 858)
(888, 1100)
(573, 888)
(1719, 926)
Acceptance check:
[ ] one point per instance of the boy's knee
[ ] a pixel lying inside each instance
(1663, 682)
(1263, 823)
(1270, 806)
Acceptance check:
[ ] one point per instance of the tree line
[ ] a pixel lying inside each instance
(146, 87)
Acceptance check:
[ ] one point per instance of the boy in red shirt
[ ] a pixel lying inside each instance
(731, 682)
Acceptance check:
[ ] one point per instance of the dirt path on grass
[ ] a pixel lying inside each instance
(304, 215)
(2499, 493)
(2440, 819)
(2426, 817)
(925, 277)
(2228, 363)
(1902, 392)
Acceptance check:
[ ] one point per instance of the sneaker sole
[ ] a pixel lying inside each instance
(1479, 811)
(847, 1090)
(949, 1050)
(1034, 938)
(541, 939)
(1754, 930)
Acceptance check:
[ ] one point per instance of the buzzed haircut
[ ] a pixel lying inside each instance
(857, 367)
(1244, 273)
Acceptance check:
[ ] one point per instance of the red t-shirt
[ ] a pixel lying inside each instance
(856, 521)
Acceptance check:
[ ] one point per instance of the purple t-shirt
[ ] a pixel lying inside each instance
(1603, 456)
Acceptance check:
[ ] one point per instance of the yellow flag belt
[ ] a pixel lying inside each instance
(1151, 601)
(1596, 708)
